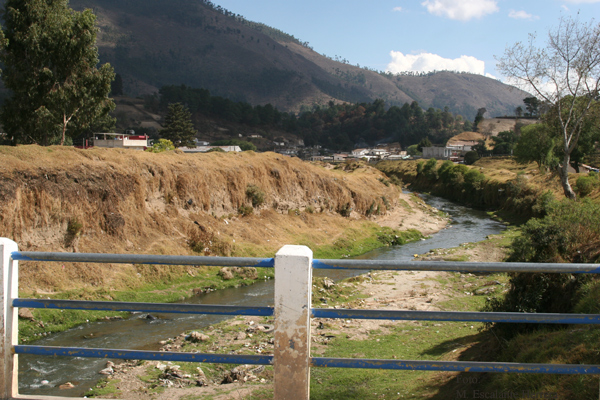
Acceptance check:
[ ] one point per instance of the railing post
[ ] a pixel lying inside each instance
(8, 320)
(293, 290)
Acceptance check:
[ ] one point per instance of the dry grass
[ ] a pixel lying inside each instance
(493, 126)
(126, 201)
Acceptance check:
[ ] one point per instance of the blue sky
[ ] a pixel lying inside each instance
(418, 35)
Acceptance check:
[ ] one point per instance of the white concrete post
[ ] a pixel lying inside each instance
(293, 290)
(8, 320)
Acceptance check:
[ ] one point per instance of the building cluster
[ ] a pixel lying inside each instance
(382, 152)
(454, 151)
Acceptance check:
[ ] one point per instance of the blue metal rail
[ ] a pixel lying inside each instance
(315, 312)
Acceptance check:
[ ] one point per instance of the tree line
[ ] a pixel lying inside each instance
(334, 126)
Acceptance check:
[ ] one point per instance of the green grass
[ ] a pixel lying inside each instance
(48, 320)
(106, 387)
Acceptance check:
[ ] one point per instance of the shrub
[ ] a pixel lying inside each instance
(420, 166)
(586, 185)
(444, 170)
(345, 210)
(245, 210)
(256, 195)
(430, 169)
(570, 232)
(74, 227)
(160, 146)
(471, 157)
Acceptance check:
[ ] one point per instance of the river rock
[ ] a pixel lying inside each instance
(196, 337)
(25, 313)
(240, 336)
(328, 283)
(226, 273)
(67, 385)
(235, 375)
(107, 371)
(485, 290)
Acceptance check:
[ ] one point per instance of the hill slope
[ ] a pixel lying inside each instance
(159, 42)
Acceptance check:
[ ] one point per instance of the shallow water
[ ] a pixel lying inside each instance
(140, 333)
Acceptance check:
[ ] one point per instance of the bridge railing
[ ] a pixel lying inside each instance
(292, 311)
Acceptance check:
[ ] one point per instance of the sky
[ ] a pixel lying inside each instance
(415, 35)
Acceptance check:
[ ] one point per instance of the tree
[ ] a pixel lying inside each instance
(532, 105)
(179, 128)
(116, 88)
(478, 118)
(471, 157)
(565, 74)
(519, 111)
(480, 148)
(49, 54)
(425, 142)
(504, 142)
(536, 144)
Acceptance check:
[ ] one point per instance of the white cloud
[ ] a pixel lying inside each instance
(462, 10)
(397, 9)
(427, 62)
(522, 15)
(582, 1)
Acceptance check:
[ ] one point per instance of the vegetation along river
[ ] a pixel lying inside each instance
(43, 375)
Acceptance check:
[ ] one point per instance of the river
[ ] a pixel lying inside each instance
(43, 375)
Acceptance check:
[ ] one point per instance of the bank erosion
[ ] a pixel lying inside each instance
(245, 204)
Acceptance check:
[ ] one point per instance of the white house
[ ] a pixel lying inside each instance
(120, 141)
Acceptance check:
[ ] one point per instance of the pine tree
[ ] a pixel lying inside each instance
(179, 128)
(49, 54)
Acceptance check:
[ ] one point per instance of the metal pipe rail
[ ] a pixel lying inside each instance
(293, 293)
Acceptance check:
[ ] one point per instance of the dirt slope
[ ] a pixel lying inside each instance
(119, 201)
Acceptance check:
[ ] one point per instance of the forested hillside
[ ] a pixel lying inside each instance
(153, 43)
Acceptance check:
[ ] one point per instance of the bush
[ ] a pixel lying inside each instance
(586, 185)
(570, 233)
(345, 210)
(256, 195)
(245, 210)
(471, 157)
(160, 146)
(74, 227)
(430, 169)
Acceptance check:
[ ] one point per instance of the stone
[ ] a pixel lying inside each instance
(328, 283)
(240, 336)
(196, 337)
(26, 313)
(226, 273)
(485, 290)
(66, 385)
(107, 371)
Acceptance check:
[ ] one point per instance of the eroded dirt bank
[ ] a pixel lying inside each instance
(118, 201)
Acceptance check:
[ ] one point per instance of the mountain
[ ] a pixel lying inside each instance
(152, 43)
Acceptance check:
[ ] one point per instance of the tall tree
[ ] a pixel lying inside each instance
(50, 56)
(179, 128)
(565, 74)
